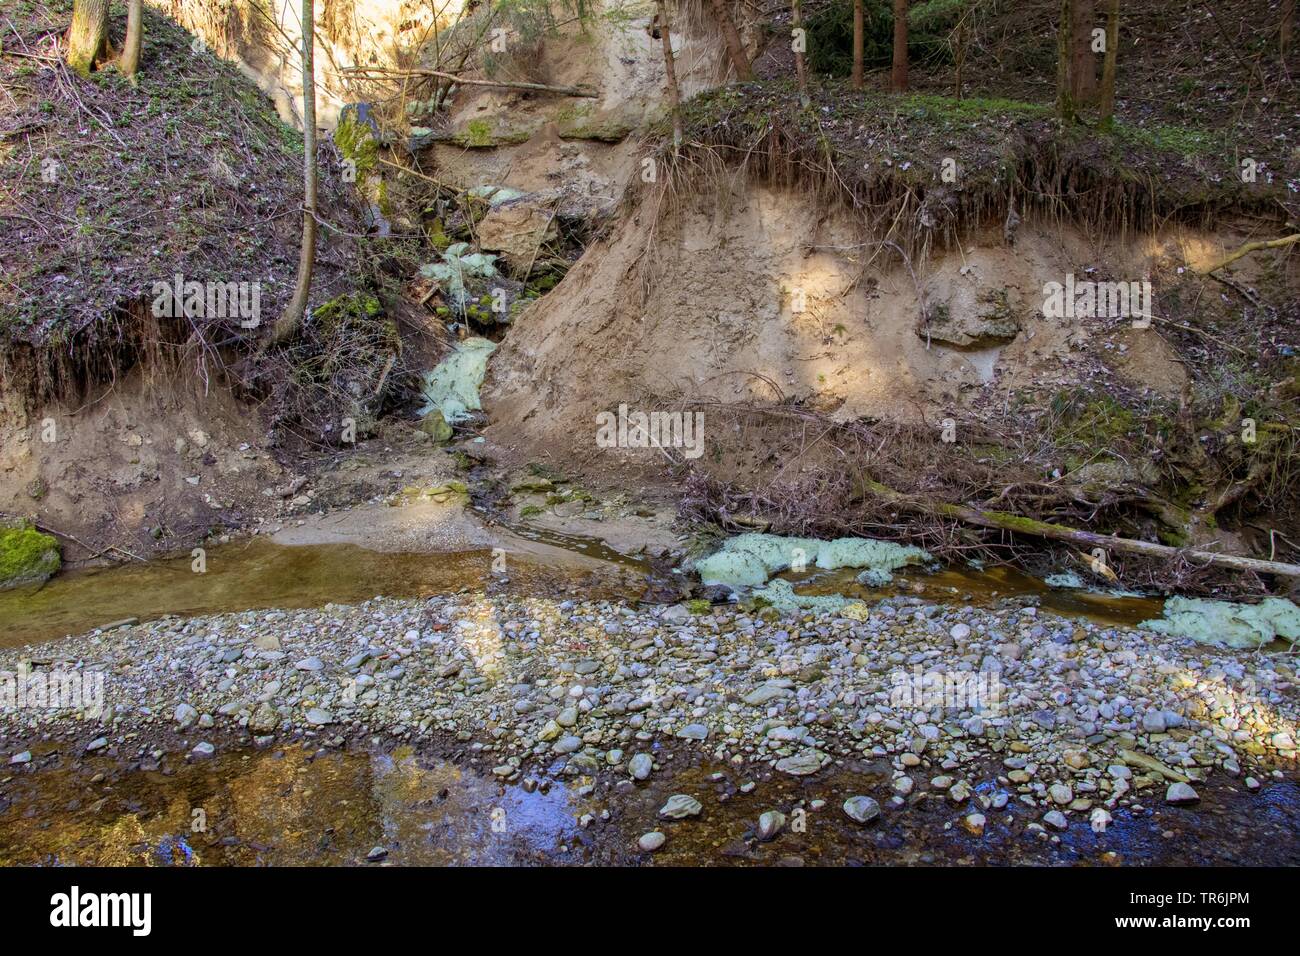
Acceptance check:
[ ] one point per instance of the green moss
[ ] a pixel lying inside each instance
(1170, 139)
(699, 606)
(356, 141)
(27, 556)
(479, 134)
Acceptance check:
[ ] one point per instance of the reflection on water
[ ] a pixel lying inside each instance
(283, 808)
(257, 573)
(300, 806)
(956, 584)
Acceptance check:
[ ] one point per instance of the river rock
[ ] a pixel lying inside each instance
(861, 809)
(694, 732)
(770, 824)
(319, 717)
(802, 763)
(640, 766)
(651, 841)
(264, 720)
(680, 806)
(185, 716)
(1180, 794)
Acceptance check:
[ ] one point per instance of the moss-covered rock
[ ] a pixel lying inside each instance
(435, 426)
(27, 556)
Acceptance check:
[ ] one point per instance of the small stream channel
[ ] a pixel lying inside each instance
(295, 804)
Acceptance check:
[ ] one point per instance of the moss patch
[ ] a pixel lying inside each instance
(27, 556)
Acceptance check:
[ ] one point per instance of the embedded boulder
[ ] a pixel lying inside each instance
(517, 229)
(971, 318)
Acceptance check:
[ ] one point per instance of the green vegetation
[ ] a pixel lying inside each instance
(27, 556)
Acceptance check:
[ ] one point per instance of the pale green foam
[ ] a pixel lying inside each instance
(780, 594)
(1228, 623)
(748, 560)
(1066, 579)
(868, 553)
(452, 387)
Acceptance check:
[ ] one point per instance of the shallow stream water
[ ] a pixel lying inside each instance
(298, 805)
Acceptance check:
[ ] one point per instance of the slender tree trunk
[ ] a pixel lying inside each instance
(858, 32)
(1065, 107)
(1284, 31)
(1083, 70)
(130, 61)
(670, 68)
(899, 76)
(959, 52)
(1111, 64)
(88, 36)
(800, 66)
(286, 327)
(731, 36)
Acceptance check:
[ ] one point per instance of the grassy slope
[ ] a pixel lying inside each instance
(189, 172)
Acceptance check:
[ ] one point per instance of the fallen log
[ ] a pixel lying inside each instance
(465, 81)
(1018, 524)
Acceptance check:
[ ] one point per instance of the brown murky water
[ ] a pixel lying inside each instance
(298, 806)
(257, 573)
(951, 585)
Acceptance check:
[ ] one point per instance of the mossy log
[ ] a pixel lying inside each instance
(1006, 521)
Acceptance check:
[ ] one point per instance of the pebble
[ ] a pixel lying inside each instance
(861, 809)
(1180, 794)
(649, 842)
(640, 766)
(770, 824)
(680, 806)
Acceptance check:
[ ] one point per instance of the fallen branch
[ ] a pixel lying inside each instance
(1250, 247)
(463, 81)
(39, 526)
(1011, 522)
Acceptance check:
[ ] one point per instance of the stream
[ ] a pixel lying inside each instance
(297, 803)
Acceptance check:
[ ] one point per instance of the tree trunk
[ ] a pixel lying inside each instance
(1087, 539)
(670, 68)
(88, 36)
(1111, 63)
(800, 67)
(1083, 70)
(858, 33)
(731, 36)
(1284, 31)
(130, 61)
(899, 76)
(286, 327)
(1065, 107)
